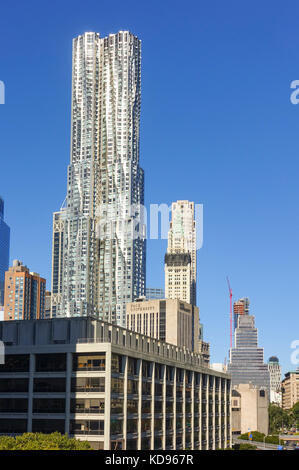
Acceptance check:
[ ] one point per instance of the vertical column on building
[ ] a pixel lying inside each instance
(68, 379)
(125, 366)
(153, 407)
(214, 411)
(200, 411)
(139, 404)
(174, 408)
(30, 392)
(207, 413)
(184, 408)
(108, 398)
(192, 411)
(164, 408)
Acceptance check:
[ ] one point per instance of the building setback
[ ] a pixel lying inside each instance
(115, 388)
(246, 364)
(4, 250)
(98, 261)
(25, 294)
(241, 307)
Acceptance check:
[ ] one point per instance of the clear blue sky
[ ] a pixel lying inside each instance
(217, 128)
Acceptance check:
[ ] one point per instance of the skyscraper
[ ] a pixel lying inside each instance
(98, 262)
(246, 363)
(4, 250)
(180, 259)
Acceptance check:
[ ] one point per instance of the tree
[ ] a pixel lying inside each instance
(295, 413)
(278, 418)
(38, 441)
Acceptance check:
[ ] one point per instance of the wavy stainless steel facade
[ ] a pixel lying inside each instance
(96, 270)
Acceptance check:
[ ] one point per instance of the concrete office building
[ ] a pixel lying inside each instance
(290, 389)
(180, 260)
(275, 380)
(246, 364)
(115, 388)
(25, 293)
(154, 293)
(4, 250)
(98, 261)
(249, 409)
(169, 320)
(241, 307)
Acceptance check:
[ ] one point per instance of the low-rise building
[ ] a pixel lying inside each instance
(250, 409)
(116, 388)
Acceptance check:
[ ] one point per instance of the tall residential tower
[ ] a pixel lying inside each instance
(98, 262)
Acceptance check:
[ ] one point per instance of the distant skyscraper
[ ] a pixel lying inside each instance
(246, 363)
(180, 259)
(25, 294)
(275, 380)
(154, 293)
(97, 265)
(4, 250)
(241, 307)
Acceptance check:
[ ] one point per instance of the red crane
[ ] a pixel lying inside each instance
(230, 311)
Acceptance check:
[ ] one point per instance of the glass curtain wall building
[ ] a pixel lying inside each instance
(246, 358)
(98, 264)
(4, 250)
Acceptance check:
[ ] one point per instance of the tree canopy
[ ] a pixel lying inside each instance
(38, 441)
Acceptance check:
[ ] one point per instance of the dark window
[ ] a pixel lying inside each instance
(13, 385)
(12, 426)
(49, 385)
(262, 393)
(13, 405)
(15, 363)
(50, 362)
(48, 426)
(51, 405)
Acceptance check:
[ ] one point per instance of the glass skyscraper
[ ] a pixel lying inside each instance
(4, 250)
(97, 264)
(246, 358)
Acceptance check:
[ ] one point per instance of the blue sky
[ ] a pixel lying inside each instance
(217, 128)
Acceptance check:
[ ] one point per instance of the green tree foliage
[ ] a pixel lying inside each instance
(279, 418)
(247, 447)
(38, 441)
(256, 436)
(295, 413)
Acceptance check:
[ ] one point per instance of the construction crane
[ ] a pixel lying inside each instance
(230, 311)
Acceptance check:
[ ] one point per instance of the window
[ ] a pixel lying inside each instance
(50, 362)
(89, 362)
